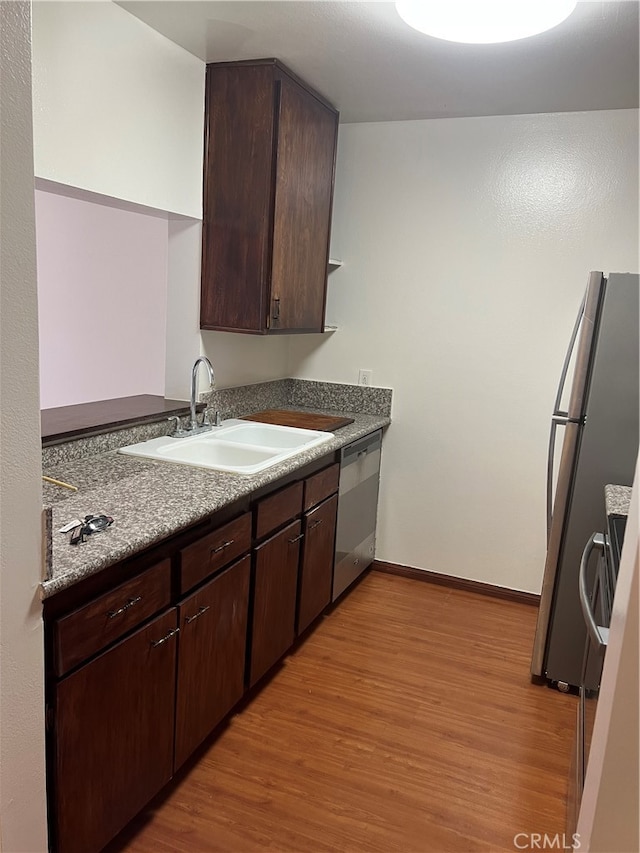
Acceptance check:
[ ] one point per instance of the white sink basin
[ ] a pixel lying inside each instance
(268, 435)
(240, 447)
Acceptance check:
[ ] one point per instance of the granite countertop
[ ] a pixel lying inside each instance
(151, 501)
(617, 499)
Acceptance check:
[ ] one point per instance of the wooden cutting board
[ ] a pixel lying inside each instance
(304, 420)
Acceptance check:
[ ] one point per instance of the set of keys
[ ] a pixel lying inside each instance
(81, 529)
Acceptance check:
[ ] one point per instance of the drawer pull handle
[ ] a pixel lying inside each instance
(164, 639)
(201, 611)
(296, 538)
(113, 613)
(316, 524)
(222, 547)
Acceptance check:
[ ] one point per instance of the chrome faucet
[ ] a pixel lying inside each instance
(193, 425)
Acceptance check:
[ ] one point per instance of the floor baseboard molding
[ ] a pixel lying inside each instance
(457, 583)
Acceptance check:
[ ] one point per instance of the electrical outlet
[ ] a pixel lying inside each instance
(365, 377)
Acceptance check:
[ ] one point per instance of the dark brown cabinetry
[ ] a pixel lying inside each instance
(316, 565)
(274, 604)
(213, 637)
(210, 553)
(114, 735)
(268, 185)
(147, 658)
(126, 719)
(294, 567)
(94, 626)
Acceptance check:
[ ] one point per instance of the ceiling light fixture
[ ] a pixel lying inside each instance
(484, 21)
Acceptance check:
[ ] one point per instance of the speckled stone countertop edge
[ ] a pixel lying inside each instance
(617, 499)
(151, 501)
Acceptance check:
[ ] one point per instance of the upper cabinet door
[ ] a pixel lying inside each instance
(237, 197)
(268, 184)
(307, 132)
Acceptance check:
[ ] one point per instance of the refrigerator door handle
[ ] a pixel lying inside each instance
(598, 635)
(550, 467)
(567, 358)
(557, 419)
(560, 418)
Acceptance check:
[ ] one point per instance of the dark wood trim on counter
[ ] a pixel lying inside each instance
(67, 422)
(457, 583)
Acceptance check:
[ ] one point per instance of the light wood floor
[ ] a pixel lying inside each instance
(406, 722)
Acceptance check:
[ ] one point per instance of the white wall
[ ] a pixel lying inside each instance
(119, 111)
(466, 246)
(183, 306)
(22, 789)
(102, 299)
(244, 359)
(118, 108)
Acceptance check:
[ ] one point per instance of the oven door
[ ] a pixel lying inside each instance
(595, 600)
(596, 609)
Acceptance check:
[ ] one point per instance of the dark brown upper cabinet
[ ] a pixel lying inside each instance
(270, 145)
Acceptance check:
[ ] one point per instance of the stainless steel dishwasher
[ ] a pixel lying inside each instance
(357, 510)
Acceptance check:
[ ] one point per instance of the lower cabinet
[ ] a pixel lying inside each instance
(316, 564)
(141, 670)
(114, 722)
(211, 660)
(274, 602)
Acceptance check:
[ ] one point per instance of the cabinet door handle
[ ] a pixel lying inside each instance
(164, 639)
(296, 538)
(316, 524)
(201, 612)
(113, 613)
(276, 308)
(222, 547)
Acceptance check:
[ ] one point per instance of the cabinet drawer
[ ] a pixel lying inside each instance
(84, 632)
(277, 509)
(214, 551)
(321, 485)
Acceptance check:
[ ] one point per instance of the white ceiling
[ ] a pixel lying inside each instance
(373, 67)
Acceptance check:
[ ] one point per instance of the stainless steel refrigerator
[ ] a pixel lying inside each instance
(600, 446)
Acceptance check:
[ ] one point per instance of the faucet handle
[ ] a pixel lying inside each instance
(206, 418)
(178, 428)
